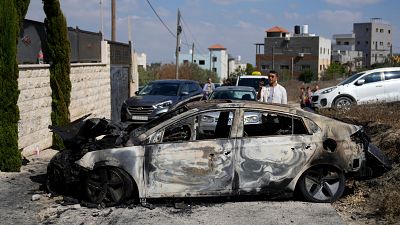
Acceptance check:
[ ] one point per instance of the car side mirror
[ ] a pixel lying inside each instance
(184, 93)
(136, 92)
(360, 82)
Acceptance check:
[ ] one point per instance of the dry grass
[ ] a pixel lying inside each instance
(375, 200)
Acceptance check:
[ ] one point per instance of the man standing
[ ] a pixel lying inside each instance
(208, 88)
(274, 92)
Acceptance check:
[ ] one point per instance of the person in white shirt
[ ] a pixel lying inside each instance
(274, 92)
(208, 88)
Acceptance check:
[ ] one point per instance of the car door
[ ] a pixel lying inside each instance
(372, 90)
(187, 162)
(271, 152)
(391, 86)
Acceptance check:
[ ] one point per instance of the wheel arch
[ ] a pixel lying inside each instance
(344, 95)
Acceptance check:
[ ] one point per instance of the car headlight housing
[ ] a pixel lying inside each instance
(329, 90)
(163, 104)
(207, 119)
(251, 119)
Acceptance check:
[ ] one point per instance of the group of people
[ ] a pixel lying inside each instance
(272, 93)
(306, 95)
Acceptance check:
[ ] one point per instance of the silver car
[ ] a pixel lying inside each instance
(289, 150)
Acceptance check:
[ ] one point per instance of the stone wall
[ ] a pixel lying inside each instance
(90, 94)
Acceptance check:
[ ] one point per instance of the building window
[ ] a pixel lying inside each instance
(388, 44)
(195, 61)
(214, 69)
(366, 42)
(202, 62)
(306, 50)
(320, 50)
(284, 67)
(346, 43)
(377, 30)
(324, 50)
(381, 43)
(305, 67)
(185, 61)
(263, 67)
(358, 42)
(389, 31)
(320, 67)
(339, 43)
(366, 29)
(382, 30)
(328, 51)
(214, 59)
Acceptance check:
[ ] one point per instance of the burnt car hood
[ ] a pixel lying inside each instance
(150, 100)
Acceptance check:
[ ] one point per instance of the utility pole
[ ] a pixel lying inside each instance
(178, 32)
(113, 37)
(192, 52)
(101, 20)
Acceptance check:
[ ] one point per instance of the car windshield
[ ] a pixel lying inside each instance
(166, 89)
(250, 82)
(351, 78)
(234, 95)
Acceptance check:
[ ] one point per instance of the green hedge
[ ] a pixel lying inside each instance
(11, 14)
(58, 54)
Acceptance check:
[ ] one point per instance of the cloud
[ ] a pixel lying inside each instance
(244, 25)
(339, 17)
(352, 2)
(291, 15)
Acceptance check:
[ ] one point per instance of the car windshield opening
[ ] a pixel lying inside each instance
(351, 79)
(166, 89)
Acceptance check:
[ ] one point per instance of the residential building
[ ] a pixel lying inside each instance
(216, 60)
(343, 51)
(374, 39)
(291, 54)
(236, 65)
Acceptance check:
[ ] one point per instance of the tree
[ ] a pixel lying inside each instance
(306, 76)
(249, 68)
(58, 53)
(12, 14)
(334, 70)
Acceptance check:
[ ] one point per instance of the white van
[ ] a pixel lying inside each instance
(250, 80)
(367, 87)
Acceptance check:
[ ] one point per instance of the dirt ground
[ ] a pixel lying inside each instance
(377, 200)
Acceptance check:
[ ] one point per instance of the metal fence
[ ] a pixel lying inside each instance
(85, 45)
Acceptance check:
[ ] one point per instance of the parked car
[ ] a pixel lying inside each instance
(372, 86)
(251, 81)
(209, 120)
(290, 150)
(157, 97)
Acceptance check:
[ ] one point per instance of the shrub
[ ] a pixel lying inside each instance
(306, 76)
(11, 15)
(58, 53)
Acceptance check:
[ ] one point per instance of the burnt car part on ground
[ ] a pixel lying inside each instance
(159, 97)
(288, 150)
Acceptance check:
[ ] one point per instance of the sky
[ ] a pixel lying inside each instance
(235, 24)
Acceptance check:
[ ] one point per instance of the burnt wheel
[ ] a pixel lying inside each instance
(322, 184)
(109, 185)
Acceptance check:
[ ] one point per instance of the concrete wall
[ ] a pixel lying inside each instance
(91, 93)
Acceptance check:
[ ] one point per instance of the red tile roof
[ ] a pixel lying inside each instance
(277, 29)
(216, 47)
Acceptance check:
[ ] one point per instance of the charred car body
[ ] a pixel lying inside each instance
(290, 149)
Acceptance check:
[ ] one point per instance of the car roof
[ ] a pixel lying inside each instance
(215, 104)
(234, 88)
(382, 69)
(173, 81)
(253, 76)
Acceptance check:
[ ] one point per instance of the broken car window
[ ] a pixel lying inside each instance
(258, 123)
(207, 125)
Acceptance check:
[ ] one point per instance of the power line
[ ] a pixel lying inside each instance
(165, 25)
(194, 38)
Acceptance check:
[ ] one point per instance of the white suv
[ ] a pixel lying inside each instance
(372, 86)
(251, 81)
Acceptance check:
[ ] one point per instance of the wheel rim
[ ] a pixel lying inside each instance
(105, 185)
(322, 184)
(343, 103)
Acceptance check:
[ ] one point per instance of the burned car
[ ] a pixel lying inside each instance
(289, 150)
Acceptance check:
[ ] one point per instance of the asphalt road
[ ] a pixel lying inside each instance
(17, 207)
